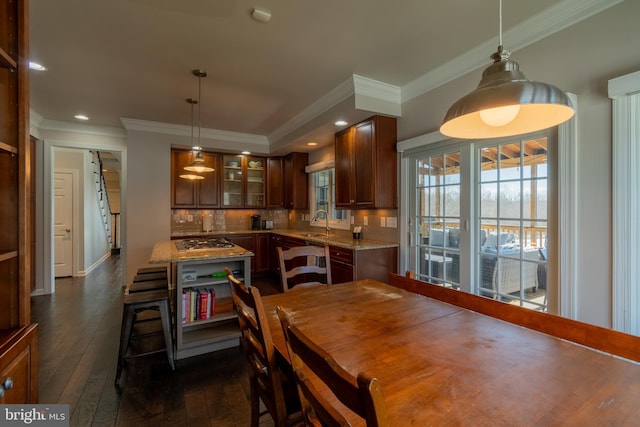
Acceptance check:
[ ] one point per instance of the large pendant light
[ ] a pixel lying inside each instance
(506, 103)
(198, 164)
(188, 174)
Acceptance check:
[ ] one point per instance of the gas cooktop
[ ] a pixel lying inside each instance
(203, 244)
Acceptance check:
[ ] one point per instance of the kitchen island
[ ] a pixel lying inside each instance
(204, 318)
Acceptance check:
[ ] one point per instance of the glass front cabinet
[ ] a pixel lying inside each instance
(243, 182)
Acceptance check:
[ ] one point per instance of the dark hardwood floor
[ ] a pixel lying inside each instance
(79, 334)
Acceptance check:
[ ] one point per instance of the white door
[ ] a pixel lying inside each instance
(62, 222)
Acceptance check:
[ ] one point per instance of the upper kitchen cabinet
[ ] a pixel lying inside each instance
(199, 193)
(366, 165)
(296, 184)
(244, 182)
(275, 189)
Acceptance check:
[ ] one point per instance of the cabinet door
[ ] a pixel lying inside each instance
(275, 183)
(341, 272)
(296, 182)
(232, 182)
(254, 172)
(344, 173)
(248, 242)
(183, 191)
(262, 253)
(364, 161)
(208, 194)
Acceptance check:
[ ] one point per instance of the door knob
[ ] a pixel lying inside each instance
(68, 230)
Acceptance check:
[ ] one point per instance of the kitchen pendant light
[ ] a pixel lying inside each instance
(506, 103)
(189, 174)
(198, 164)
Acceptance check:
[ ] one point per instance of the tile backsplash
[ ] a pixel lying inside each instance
(371, 221)
(225, 219)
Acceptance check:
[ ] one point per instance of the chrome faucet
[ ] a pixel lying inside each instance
(326, 217)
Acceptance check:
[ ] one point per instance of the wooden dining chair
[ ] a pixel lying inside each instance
(361, 394)
(267, 382)
(304, 265)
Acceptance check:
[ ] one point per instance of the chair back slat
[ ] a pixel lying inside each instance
(301, 265)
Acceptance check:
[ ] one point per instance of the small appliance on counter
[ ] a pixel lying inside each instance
(255, 222)
(268, 225)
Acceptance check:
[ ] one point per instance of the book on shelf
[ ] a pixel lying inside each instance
(198, 304)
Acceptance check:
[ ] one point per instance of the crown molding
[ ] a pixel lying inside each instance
(326, 102)
(182, 130)
(39, 124)
(377, 89)
(547, 22)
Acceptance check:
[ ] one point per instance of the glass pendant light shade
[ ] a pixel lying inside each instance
(506, 103)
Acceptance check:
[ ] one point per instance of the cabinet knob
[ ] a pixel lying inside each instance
(6, 385)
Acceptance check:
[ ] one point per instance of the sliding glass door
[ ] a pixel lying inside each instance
(478, 217)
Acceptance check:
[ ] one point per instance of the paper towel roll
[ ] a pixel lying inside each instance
(207, 222)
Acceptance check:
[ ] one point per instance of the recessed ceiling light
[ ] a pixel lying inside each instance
(246, 153)
(340, 123)
(36, 66)
(312, 143)
(261, 15)
(81, 117)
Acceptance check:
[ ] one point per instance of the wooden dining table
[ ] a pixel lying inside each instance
(444, 365)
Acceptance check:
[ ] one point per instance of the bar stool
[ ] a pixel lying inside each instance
(151, 270)
(133, 304)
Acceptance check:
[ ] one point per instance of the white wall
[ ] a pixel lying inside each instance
(580, 59)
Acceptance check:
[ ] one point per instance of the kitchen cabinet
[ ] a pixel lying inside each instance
(217, 329)
(275, 183)
(18, 337)
(189, 194)
(258, 243)
(285, 242)
(19, 366)
(296, 184)
(244, 182)
(348, 265)
(366, 165)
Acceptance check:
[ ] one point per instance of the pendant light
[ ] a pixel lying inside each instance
(506, 103)
(198, 164)
(189, 174)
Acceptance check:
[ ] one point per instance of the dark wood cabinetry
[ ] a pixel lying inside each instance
(18, 337)
(348, 265)
(366, 165)
(258, 244)
(275, 183)
(189, 194)
(243, 182)
(296, 183)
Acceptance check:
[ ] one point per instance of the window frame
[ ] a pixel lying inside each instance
(334, 223)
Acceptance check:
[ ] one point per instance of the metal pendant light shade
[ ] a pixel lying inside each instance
(506, 103)
(198, 165)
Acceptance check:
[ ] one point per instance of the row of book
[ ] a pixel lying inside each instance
(198, 304)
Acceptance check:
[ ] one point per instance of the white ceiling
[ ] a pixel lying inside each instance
(134, 58)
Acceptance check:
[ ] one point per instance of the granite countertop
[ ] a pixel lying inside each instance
(166, 252)
(311, 236)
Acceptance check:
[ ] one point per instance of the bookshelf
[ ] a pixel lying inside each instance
(215, 330)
